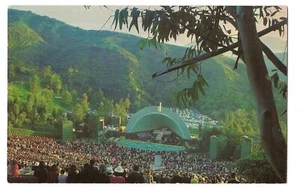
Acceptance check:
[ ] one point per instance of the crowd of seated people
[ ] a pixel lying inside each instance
(51, 161)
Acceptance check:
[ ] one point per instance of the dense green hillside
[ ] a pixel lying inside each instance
(88, 60)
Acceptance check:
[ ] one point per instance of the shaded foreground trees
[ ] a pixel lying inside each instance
(211, 28)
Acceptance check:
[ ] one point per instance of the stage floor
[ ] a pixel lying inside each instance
(150, 146)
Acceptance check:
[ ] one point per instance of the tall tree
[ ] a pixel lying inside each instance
(78, 113)
(55, 83)
(240, 121)
(272, 138)
(84, 102)
(66, 96)
(34, 83)
(211, 28)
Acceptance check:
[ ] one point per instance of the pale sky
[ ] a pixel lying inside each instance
(99, 17)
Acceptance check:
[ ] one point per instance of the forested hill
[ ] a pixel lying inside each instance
(84, 61)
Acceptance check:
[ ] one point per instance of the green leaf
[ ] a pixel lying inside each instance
(275, 79)
(204, 81)
(280, 31)
(116, 18)
(142, 43)
(201, 79)
(135, 13)
(195, 91)
(283, 18)
(283, 89)
(265, 21)
(121, 18)
(261, 14)
(266, 8)
(188, 71)
(200, 86)
(126, 16)
(149, 14)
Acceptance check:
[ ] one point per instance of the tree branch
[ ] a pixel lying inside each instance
(271, 56)
(217, 52)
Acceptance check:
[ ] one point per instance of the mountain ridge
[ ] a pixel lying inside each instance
(113, 62)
